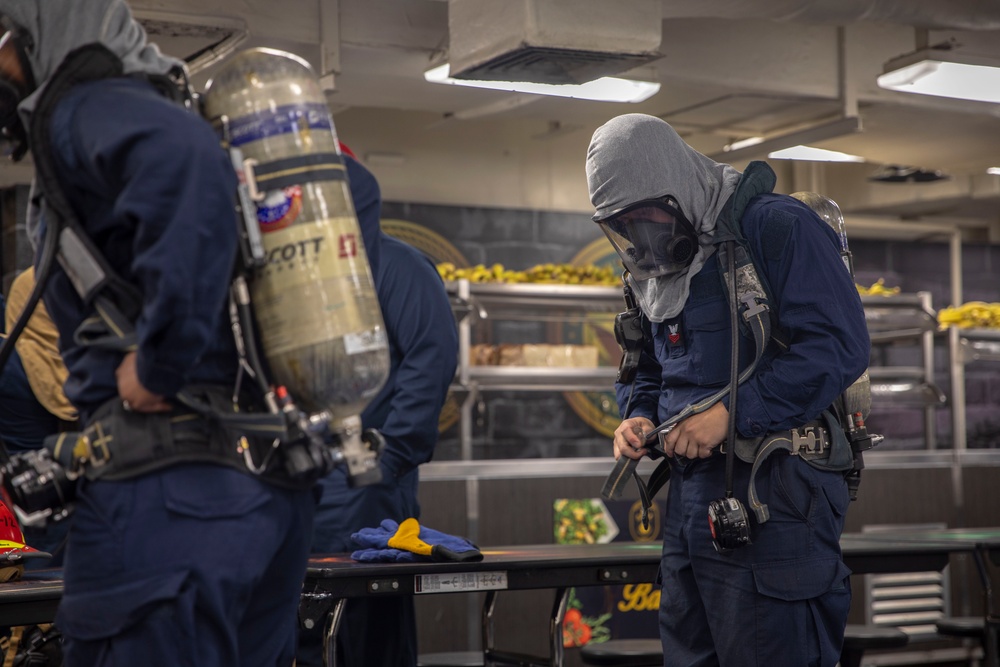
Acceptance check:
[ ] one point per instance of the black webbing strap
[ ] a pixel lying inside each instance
(810, 441)
(652, 486)
(119, 444)
(109, 329)
(92, 277)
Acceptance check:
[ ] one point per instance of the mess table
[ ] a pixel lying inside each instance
(982, 543)
(333, 579)
(30, 600)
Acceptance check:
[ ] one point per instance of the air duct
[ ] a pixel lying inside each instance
(931, 14)
(551, 41)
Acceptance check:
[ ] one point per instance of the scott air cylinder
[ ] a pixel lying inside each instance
(313, 295)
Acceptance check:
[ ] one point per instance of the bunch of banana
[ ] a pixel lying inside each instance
(567, 274)
(971, 315)
(878, 288)
(480, 273)
(562, 274)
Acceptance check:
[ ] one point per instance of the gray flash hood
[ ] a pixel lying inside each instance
(60, 26)
(57, 27)
(635, 157)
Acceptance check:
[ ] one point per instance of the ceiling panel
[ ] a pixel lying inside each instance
(729, 71)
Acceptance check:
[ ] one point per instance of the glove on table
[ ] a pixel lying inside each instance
(411, 542)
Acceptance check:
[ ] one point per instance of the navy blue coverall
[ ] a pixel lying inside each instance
(423, 346)
(740, 609)
(195, 564)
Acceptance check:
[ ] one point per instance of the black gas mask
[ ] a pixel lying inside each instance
(13, 91)
(652, 237)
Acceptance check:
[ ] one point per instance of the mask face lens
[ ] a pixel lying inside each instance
(651, 240)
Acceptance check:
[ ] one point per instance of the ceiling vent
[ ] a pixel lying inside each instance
(893, 173)
(551, 41)
(199, 40)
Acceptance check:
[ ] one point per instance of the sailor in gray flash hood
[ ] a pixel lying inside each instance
(703, 375)
(139, 178)
(65, 25)
(634, 158)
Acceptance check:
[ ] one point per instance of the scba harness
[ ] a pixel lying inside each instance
(253, 428)
(833, 442)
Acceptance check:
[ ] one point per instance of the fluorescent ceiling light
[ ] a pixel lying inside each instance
(743, 143)
(993, 171)
(814, 154)
(605, 89)
(944, 74)
(802, 136)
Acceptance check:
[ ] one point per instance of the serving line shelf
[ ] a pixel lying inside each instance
(522, 378)
(535, 297)
(900, 319)
(967, 346)
(477, 305)
(599, 467)
(979, 345)
(905, 320)
(905, 385)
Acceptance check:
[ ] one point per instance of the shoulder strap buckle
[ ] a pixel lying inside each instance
(753, 304)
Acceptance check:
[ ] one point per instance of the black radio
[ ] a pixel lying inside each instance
(727, 519)
(629, 334)
(39, 488)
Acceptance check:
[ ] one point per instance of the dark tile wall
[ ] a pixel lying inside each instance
(517, 239)
(530, 424)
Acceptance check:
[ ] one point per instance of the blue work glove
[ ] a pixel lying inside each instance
(409, 541)
(377, 538)
(387, 556)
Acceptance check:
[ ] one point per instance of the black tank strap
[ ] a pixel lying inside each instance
(299, 170)
(97, 284)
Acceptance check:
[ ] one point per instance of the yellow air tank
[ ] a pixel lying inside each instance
(314, 298)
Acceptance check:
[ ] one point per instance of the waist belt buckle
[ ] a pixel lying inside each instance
(809, 440)
(95, 441)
